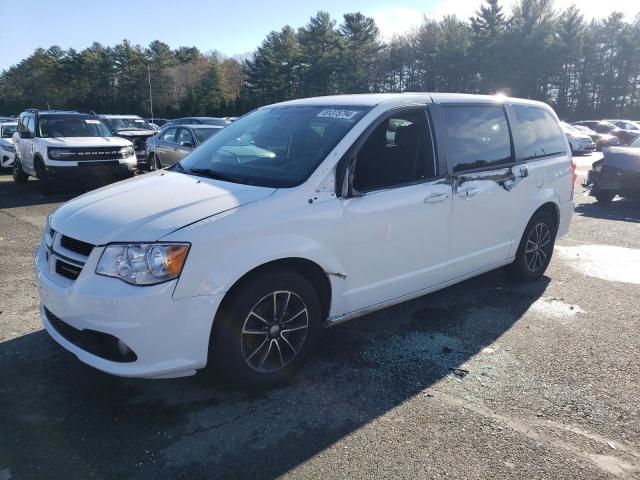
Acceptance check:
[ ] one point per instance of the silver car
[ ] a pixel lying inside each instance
(173, 142)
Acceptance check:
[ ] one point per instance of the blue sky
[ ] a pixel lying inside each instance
(231, 27)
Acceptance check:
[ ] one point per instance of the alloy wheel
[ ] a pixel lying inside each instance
(274, 331)
(538, 246)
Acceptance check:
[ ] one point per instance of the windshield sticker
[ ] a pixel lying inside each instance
(341, 114)
(96, 122)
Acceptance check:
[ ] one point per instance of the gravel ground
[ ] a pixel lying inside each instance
(547, 385)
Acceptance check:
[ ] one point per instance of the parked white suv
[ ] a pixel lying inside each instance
(69, 149)
(297, 216)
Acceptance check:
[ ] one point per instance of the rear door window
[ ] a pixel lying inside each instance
(540, 134)
(477, 137)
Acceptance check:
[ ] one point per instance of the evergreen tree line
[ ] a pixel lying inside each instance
(583, 69)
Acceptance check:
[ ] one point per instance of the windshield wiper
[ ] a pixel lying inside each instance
(207, 172)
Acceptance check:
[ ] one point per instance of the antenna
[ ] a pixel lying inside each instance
(150, 94)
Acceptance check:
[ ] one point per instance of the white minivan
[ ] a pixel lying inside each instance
(297, 216)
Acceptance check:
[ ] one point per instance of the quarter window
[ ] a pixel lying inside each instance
(540, 134)
(399, 151)
(477, 137)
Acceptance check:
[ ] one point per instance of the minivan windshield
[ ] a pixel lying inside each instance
(71, 126)
(275, 147)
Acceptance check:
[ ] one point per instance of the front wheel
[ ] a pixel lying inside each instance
(535, 249)
(266, 329)
(19, 175)
(604, 195)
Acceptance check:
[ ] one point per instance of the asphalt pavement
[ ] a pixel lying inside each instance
(485, 379)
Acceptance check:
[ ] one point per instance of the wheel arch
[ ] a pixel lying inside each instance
(309, 269)
(553, 210)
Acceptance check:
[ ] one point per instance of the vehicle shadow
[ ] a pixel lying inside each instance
(27, 194)
(61, 417)
(626, 210)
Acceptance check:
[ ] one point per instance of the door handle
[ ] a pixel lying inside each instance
(436, 198)
(468, 192)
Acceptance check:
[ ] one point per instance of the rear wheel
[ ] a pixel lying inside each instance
(19, 175)
(535, 249)
(266, 330)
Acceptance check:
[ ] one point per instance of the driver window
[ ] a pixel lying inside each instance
(398, 152)
(169, 135)
(31, 125)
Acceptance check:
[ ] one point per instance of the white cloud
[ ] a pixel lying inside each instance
(397, 20)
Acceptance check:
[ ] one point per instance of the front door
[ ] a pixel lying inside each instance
(166, 146)
(397, 219)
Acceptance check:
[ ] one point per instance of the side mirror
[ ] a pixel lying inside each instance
(186, 144)
(26, 135)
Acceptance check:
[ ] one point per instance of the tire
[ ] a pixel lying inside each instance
(249, 347)
(535, 249)
(19, 175)
(154, 163)
(46, 185)
(604, 196)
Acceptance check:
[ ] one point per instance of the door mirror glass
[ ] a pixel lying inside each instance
(25, 134)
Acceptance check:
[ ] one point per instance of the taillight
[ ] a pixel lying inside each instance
(575, 176)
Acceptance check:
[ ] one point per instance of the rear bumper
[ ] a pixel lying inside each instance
(583, 147)
(566, 214)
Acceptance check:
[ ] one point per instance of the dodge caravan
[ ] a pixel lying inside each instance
(297, 216)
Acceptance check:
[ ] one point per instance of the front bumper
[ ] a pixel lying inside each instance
(6, 158)
(91, 172)
(170, 338)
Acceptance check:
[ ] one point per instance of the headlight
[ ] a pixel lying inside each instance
(8, 148)
(60, 153)
(127, 152)
(49, 232)
(143, 263)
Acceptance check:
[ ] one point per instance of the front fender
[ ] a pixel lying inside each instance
(214, 274)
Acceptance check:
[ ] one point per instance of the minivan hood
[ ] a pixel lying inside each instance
(149, 207)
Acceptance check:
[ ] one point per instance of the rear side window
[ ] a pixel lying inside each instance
(540, 134)
(477, 137)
